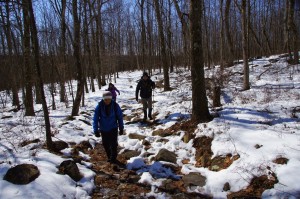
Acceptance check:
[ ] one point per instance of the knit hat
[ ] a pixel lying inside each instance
(145, 74)
(107, 95)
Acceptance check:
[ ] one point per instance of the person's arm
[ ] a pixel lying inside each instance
(120, 119)
(138, 87)
(117, 90)
(153, 84)
(96, 120)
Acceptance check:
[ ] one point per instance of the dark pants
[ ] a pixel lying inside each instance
(110, 144)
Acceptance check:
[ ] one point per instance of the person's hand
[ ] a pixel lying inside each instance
(97, 134)
(121, 132)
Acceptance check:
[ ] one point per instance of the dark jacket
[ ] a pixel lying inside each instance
(108, 118)
(145, 86)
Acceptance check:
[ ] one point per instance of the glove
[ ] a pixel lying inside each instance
(121, 132)
(97, 134)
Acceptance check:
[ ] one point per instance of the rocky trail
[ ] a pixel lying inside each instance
(115, 181)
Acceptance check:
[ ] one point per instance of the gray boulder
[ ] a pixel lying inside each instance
(166, 155)
(195, 179)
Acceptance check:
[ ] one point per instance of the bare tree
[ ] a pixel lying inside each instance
(39, 74)
(246, 83)
(76, 46)
(200, 112)
(8, 33)
(227, 31)
(29, 110)
(163, 46)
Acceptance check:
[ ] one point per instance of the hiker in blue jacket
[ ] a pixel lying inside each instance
(108, 118)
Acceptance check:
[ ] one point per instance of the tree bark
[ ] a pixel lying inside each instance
(293, 28)
(143, 36)
(185, 32)
(63, 52)
(16, 101)
(39, 74)
(162, 45)
(227, 30)
(200, 112)
(29, 110)
(246, 83)
(221, 36)
(76, 46)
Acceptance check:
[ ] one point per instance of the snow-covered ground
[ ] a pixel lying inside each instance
(261, 116)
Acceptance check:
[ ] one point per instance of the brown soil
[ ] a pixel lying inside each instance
(204, 155)
(257, 186)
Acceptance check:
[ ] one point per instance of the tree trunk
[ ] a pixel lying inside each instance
(200, 112)
(246, 84)
(185, 33)
(227, 31)
(39, 74)
(143, 35)
(16, 101)
(63, 52)
(293, 29)
(169, 34)
(76, 46)
(221, 36)
(163, 46)
(29, 110)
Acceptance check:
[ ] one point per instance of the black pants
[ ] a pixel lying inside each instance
(110, 144)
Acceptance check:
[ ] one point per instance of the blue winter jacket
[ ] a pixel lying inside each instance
(106, 123)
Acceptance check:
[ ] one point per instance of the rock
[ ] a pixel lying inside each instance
(168, 185)
(22, 174)
(136, 136)
(27, 142)
(147, 154)
(60, 145)
(166, 155)
(127, 154)
(83, 146)
(5, 117)
(257, 146)
(215, 168)
(146, 143)
(226, 187)
(281, 160)
(185, 161)
(161, 133)
(70, 168)
(86, 122)
(163, 140)
(194, 178)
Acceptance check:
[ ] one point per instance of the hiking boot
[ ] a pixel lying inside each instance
(145, 115)
(150, 114)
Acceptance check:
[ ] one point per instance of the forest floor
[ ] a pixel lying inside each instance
(250, 149)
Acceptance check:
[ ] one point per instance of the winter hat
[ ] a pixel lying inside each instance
(107, 95)
(145, 74)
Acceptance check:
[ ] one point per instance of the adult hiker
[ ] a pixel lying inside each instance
(113, 90)
(108, 118)
(145, 85)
